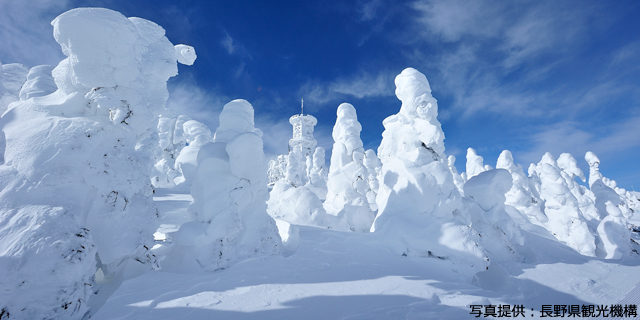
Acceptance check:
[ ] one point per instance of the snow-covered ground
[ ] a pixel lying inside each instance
(345, 275)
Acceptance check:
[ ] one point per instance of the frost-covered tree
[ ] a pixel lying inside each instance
(457, 178)
(586, 199)
(193, 135)
(614, 233)
(76, 192)
(521, 196)
(485, 199)
(373, 165)
(604, 190)
(475, 164)
(348, 181)
(229, 193)
(420, 212)
(566, 222)
(318, 173)
(167, 153)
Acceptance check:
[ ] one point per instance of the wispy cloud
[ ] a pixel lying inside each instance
(368, 10)
(187, 98)
(360, 86)
(26, 31)
(606, 141)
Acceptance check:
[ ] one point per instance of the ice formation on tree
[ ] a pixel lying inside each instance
(522, 195)
(603, 189)
(475, 164)
(373, 165)
(76, 193)
(348, 182)
(485, 198)
(166, 157)
(420, 212)
(189, 138)
(457, 178)
(584, 196)
(614, 233)
(318, 173)
(229, 193)
(566, 221)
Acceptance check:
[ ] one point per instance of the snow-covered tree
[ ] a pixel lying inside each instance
(373, 165)
(194, 135)
(604, 190)
(229, 193)
(348, 181)
(318, 173)
(614, 233)
(76, 192)
(485, 195)
(420, 212)
(521, 196)
(457, 178)
(566, 222)
(586, 199)
(475, 164)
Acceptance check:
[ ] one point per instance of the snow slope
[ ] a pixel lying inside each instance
(344, 275)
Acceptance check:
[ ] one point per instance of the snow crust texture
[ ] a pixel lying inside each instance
(76, 192)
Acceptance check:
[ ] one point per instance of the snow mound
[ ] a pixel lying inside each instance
(39, 83)
(76, 193)
(420, 211)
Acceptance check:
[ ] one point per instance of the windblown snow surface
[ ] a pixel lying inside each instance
(112, 207)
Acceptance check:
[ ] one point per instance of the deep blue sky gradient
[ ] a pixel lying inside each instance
(527, 76)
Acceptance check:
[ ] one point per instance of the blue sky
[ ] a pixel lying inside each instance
(527, 76)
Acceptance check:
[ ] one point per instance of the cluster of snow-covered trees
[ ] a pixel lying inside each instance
(83, 145)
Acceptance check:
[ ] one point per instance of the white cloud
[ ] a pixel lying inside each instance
(228, 43)
(361, 86)
(369, 10)
(189, 99)
(518, 31)
(606, 141)
(26, 31)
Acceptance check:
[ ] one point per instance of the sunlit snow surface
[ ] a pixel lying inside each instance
(339, 275)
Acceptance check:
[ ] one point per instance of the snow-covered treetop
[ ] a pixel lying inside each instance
(236, 117)
(417, 121)
(87, 35)
(346, 134)
(475, 163)
(568, 164)
(412, 88)
(594, 167)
